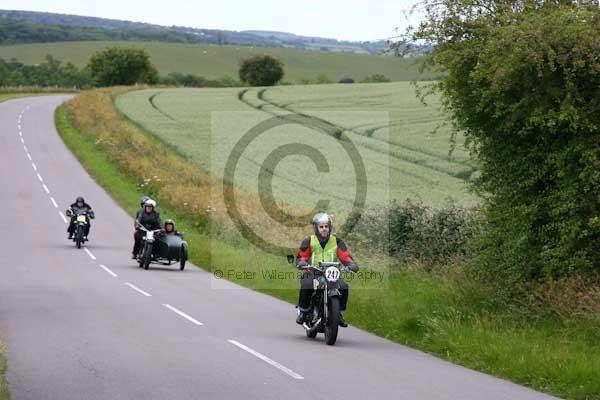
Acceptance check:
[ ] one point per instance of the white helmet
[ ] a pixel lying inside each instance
(322, 218)
(150, 203)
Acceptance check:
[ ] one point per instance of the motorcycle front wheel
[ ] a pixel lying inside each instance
(333, 320)
(79, 236)
(147, 255)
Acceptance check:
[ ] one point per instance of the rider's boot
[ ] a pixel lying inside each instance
(342, 321)
(301, 317)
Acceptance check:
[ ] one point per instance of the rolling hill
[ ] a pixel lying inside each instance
(214, 61)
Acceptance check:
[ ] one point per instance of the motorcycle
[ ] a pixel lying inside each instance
(161, 248)
(82, 219)
(324, 313)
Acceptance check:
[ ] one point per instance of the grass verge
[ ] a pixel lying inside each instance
(4, 394)
(447, 316)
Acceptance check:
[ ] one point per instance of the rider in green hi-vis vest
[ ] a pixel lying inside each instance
(319, 253)
(322, 246)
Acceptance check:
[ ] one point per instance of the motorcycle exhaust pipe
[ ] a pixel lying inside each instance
(313, 328)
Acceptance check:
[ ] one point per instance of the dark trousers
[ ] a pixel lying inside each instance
(306, 291)
(138, 236)
(71, 228)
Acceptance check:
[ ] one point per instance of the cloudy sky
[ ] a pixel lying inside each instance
(339, 19)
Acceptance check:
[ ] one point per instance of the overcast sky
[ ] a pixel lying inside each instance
(338, 19)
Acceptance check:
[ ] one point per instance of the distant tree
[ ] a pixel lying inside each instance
(122, 66)
(261, 71)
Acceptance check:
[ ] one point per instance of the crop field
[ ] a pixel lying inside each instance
(327, 135)
(216, 61)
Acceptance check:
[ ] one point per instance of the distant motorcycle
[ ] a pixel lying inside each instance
(82, 219)
(324, 313)
(161, 248)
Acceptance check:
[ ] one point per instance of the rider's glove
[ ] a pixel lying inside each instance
(353, 267)
(302, 264)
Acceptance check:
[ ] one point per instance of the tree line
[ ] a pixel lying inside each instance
(110, 67)
(128, 66)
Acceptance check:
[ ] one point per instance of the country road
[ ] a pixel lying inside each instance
(88, 324)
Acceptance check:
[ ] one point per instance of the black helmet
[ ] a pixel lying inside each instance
(79, 200)
(169, 221)
(143, 200)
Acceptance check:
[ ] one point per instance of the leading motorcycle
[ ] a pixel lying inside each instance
(324, 312)
(82, 219)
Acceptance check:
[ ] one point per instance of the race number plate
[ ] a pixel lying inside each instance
(332, 274)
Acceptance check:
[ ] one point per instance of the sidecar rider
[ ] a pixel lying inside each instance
(169, 228)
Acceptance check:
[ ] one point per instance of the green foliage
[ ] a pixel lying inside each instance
(322, 79)
(522, 80)
(376, 78)
(413, 231)
(191, 80)
(122, 66)
(49, 73)
(261, 71)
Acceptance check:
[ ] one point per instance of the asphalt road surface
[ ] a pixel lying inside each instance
(88, 324)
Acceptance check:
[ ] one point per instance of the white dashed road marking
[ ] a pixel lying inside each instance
(137, 289)
(182, 314)
(104, 267)
(266, 359)
(89, 253)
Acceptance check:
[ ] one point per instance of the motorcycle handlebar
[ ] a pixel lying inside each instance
(323, 266)
(70, 213)
(143, 228)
